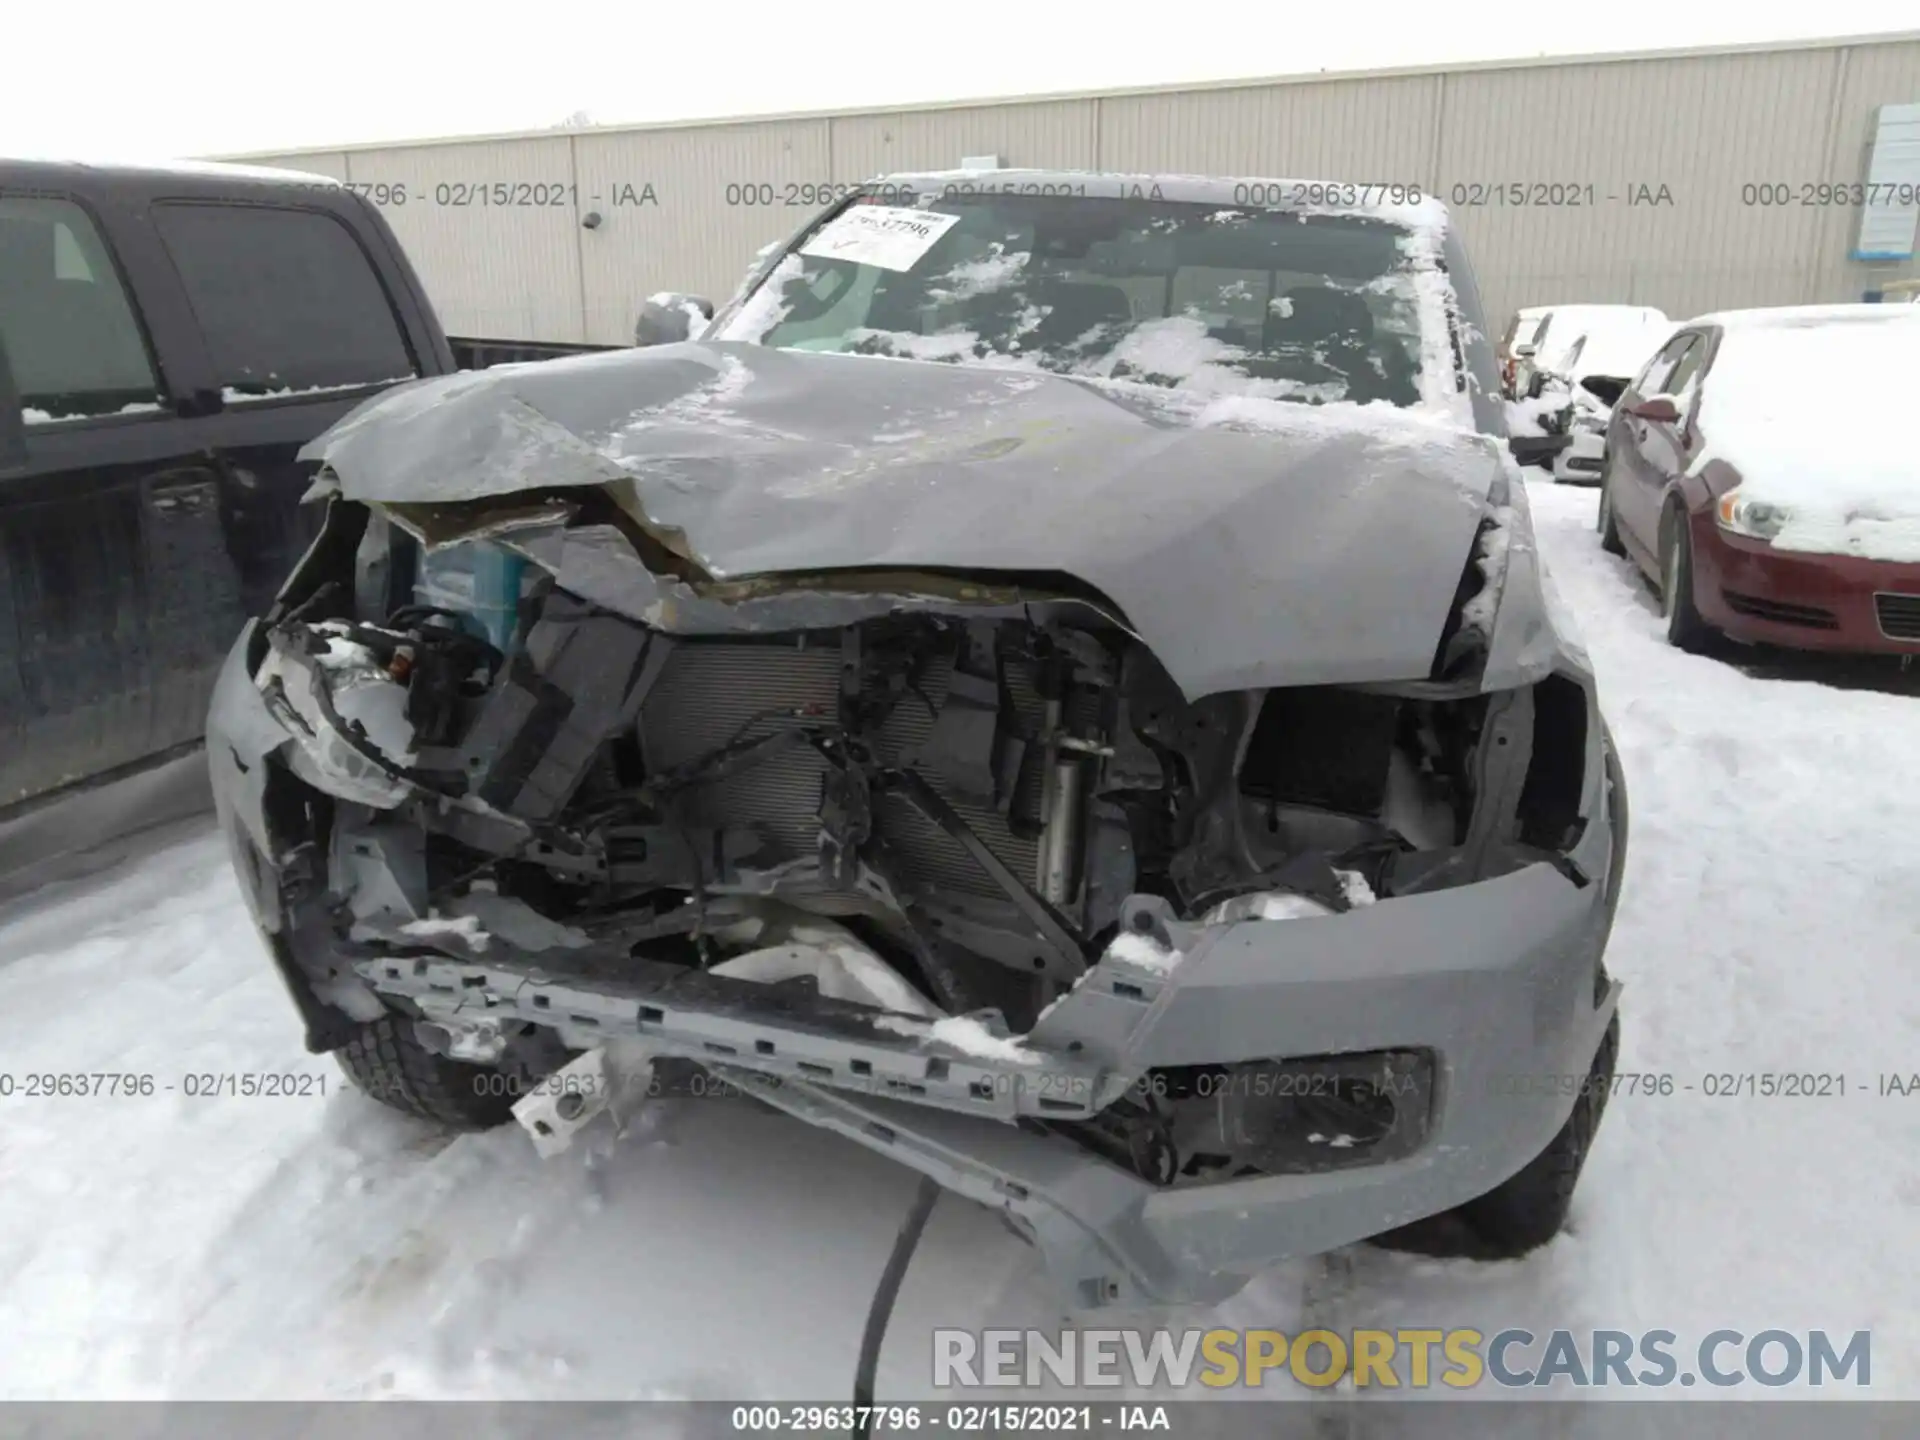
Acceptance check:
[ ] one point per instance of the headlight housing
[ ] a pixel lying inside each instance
(1756, 519)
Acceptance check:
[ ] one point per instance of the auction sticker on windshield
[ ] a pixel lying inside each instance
(888, 236)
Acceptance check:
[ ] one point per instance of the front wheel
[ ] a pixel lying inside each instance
(1685, 629)
(1529, 1209)
(1608, 527)
(387, 1062)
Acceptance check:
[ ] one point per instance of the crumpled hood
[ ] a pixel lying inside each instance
(1247, 542)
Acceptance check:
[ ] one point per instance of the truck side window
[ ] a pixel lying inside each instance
(287, 299)
(68, 327)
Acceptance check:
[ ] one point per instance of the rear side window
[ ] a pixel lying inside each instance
(1653, 380)
(68, 327)
(1682, 377)
(287, 299)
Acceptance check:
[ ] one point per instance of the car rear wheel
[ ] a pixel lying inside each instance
(1685, 629)
(1609, 528)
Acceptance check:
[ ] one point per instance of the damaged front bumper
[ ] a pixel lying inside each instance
(1466, 993)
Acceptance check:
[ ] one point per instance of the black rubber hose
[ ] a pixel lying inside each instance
(882, 1308)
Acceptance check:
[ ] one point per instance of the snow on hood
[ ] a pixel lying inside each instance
(1809, 415)
(1247, 543)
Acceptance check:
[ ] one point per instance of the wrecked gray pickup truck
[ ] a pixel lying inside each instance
(1053, 685)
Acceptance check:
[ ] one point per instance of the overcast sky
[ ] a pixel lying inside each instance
(216, 77)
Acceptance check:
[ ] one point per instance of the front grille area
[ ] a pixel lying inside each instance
(709, 694)
(1757, 607)
(1899, 615)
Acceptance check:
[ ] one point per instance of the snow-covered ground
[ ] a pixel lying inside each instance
(232, 1247)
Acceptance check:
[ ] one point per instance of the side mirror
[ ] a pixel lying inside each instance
(1522, 351)
(1657, 407)
(13, 418)
(669, 317)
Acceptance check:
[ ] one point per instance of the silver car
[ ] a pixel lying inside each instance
(1054, 685)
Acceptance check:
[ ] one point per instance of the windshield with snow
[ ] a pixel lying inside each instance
(1202, 298)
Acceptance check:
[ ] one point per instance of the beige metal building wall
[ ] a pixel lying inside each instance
(685, 207)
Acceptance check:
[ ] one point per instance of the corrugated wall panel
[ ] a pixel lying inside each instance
(1874, 76)
(1702, 126)
(1027, 136)
(719, 194)
(491, 229)
(1376, 130)
(1592, 148)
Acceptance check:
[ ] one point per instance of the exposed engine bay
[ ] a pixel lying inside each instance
(982, 799)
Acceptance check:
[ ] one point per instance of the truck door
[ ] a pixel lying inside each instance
(298, 327)
(77, 506)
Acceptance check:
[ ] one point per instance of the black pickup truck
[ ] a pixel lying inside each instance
(169, 339)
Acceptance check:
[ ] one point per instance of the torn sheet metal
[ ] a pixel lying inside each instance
(1322, 548)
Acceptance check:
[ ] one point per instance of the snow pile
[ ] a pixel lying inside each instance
(234, 396)
(971, 1037)
(966, 1033)
(1435, 306)
(465, 928)
(1523, 416)
(969, 278)
(951, 344)
(1355, 887)
(45, 417)
(1144, 951)
(1807, 413)
(667, 300)
(1179, 350)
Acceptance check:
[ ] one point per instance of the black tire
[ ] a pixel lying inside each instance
(1526, 1211)
(1608, 527)
(387, 1062)
(1685, 629)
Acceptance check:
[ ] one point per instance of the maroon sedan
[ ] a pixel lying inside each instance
(1753, 471)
